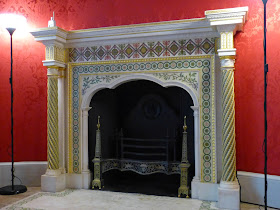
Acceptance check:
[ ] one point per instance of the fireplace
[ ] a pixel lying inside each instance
(195, 55)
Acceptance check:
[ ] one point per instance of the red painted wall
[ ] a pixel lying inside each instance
(30, 77)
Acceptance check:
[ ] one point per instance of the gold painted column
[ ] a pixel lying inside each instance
(54, 180)
(53, 145)
(228, 120)
(227, 59)
(229, 196)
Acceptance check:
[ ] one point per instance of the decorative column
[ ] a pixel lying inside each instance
(229, 188)
(85, 170)
(54, 39)
(196, 178)
(53, 149)
(227, 22)
(54, 178)
(228, 114)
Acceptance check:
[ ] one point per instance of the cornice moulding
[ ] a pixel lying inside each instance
(53, 63)
(237, 16)
(166, 30)
(50, 36)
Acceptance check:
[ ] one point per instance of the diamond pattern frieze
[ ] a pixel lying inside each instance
(129, 50)
(115, 51)
(87, 54)
(190, 47)
(173, 48)
(158, 49)
(143, 50)
(207, 46)
(74, 54)
(100, 53)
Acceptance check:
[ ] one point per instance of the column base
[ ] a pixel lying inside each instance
(229, 195)
(53, 181)
(195, 188)
(204, 191)
(87, 178)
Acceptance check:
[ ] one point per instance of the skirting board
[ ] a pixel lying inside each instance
(28, 172)
(252, 188)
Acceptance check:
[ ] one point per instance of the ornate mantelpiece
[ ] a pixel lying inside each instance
(181, 53)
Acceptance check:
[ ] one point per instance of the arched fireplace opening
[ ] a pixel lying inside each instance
(142, 110)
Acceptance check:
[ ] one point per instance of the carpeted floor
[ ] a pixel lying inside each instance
(9, 199)
(103, 200)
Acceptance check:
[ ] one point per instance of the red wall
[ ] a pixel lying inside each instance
(30, 77)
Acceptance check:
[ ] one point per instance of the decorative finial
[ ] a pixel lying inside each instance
(51, 22)
(98, 123)
(185, 124)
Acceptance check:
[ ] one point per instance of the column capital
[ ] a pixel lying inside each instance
(227, 62)
(54, 38)
(55, 55)
(85, 111)
(226, 28)
(195, 110)
(52, 71)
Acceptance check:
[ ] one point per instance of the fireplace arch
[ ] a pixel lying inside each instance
(125, 79)
(88, 96)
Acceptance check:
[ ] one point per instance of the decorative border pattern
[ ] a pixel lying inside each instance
(140, 167)
(17, 205)
(157, 68)
(95, 73)
(143, 50)
(205, 205)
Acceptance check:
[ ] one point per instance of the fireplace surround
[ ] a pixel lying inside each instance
(196, 55)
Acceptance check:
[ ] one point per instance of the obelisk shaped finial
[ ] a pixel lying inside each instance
(185, 124)
(51, 22)
(98, 123)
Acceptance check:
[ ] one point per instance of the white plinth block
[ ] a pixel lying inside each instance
(229, 195)
(54, 183)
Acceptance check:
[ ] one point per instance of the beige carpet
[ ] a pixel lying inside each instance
(104, 200)
(9, 199)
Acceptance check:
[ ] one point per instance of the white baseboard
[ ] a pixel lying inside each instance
(29, 173)
(252, 188)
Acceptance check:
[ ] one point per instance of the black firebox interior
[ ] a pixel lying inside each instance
(141, 109)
